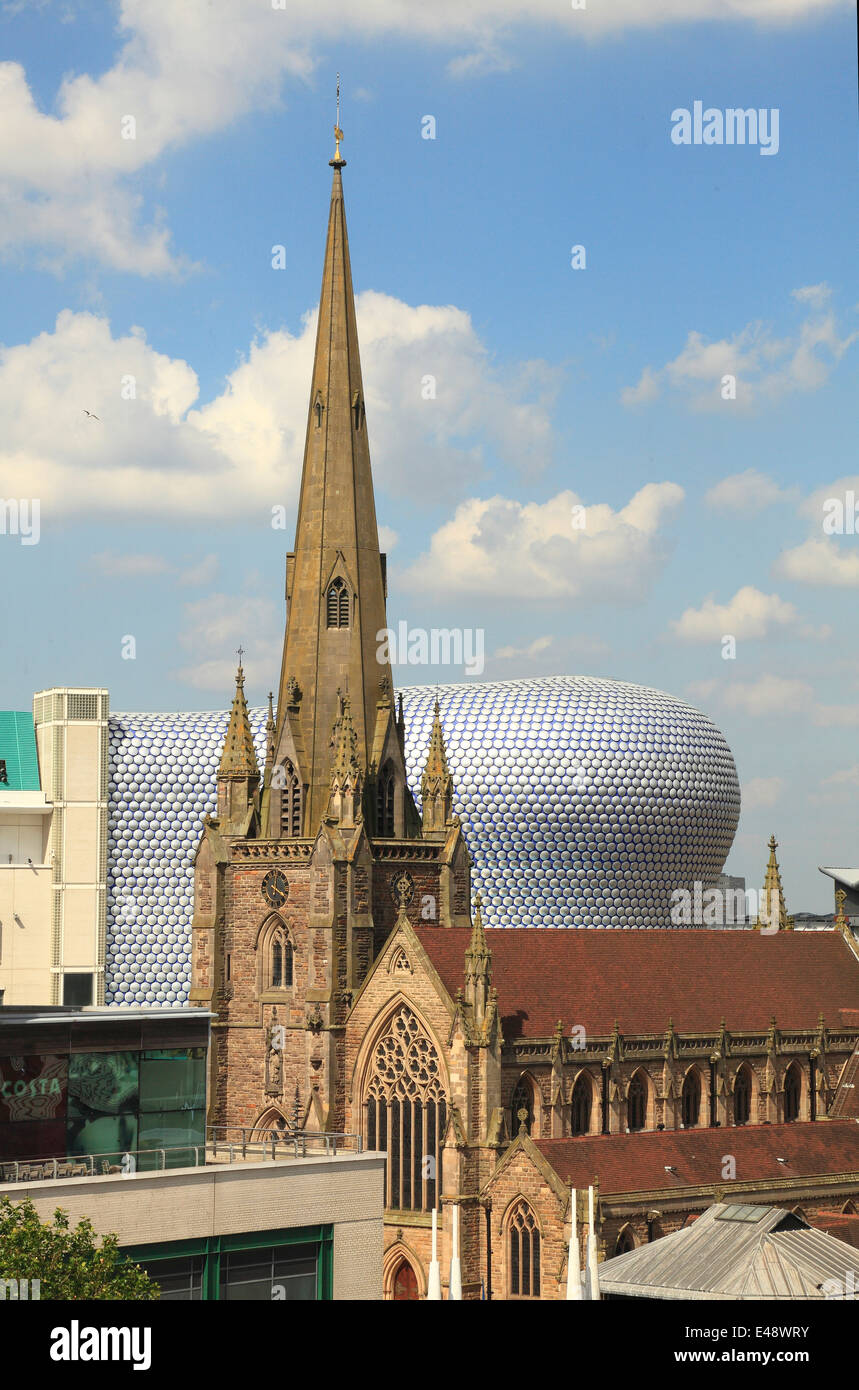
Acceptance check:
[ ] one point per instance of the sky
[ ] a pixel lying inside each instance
(620, 460)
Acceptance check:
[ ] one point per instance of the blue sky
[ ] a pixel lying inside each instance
(151, 258)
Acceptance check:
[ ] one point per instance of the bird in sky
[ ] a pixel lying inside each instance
(91, 416)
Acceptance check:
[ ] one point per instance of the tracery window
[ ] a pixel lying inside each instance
(792, 1093)
(406, 1113)
(636, 1103)
(386, 801)
(280, 972)
(580, 1106)
(691, 1099)
(742, 1096)
(524, 1248)
(337, 604)
(522, 1099)
(290, 802)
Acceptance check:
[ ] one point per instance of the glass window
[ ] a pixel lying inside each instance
(37, 1139)
(173, 1079)
(33, 1088)
(104, 1083)
(179, 1280)
(285, 1273)
(177, 1130)
(103, 1136)
(78, 989)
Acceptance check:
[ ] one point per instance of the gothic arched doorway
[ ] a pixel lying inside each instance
(404, 1285)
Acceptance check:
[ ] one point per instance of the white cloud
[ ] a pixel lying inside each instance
(160, 454)
(501, 548)
(749, 614)
(185, 71)
(820, 562)
(746, 493)
(214, 627)
(762, 791)
(535, 648)
(129, 566)
(770, 694)
(765, 367)
(203, 572)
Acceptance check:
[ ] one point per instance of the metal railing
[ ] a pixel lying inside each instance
(225, 1144)
(285, 1143)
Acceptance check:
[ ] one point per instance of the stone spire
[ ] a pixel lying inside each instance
(238, 771)
(238, 758)
(335, 579)
(772, 912)
(436, 782)
(478, 969)
(344, 804)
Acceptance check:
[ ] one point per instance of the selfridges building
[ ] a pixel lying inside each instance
(585, 803)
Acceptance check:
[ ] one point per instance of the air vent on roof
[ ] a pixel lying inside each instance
(83, 706)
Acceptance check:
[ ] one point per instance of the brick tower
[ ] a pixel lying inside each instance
(300, 876)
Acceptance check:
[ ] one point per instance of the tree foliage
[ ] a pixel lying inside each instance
(69, 1262)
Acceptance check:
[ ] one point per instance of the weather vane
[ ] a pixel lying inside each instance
(338, 134)
(240, 653)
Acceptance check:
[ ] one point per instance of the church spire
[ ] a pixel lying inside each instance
(335, 578)
(436, 783)
(238, 771)
(238, 757)
(772, 912)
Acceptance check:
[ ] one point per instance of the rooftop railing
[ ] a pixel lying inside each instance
(224, 1145)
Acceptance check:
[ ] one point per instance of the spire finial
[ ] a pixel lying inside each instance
(338, 161)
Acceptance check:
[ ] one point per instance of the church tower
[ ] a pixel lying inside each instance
(300, 876)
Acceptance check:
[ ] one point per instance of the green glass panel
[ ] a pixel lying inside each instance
(106, 1137)
(173, 1079)
(33, 1088)
(177, 1132)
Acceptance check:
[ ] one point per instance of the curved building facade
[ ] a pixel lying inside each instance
(585, 803)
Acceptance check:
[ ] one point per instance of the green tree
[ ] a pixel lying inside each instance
(69, 1262)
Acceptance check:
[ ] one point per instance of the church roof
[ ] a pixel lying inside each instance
(663, 1160)
(642, 979)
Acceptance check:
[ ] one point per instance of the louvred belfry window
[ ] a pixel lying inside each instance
(386, 801)
(524, 1247)
(337, 604)
(290, 803)
(406, 1113)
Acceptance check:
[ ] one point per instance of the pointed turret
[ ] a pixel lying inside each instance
(478, 970)
(772, 913)
(344, 805)
(335, 578)
(436, 783)
(238, 771)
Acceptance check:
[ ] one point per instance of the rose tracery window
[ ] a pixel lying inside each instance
(406, 1110)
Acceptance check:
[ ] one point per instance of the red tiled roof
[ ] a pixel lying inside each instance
(638, 1162)
(842, 1225)
(643, 978)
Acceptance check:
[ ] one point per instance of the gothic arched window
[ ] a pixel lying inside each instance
(522, 1099)
(792, 1093)
(691, 1099)
(580, 1106)
(406, 1113)
(636, 1103)
(280, 973)
(290, 802)
(386, 801)
(743, 1096)
(625, 1241)
(524, 1247)
(337, 604)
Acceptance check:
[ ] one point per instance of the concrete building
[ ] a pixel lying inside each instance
(53, 849)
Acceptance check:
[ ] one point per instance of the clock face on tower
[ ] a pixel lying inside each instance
(275, 887)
